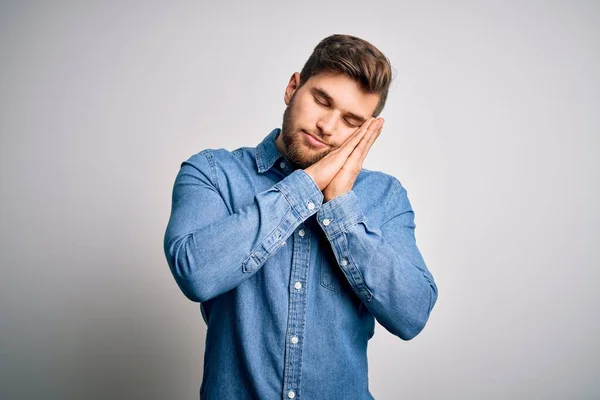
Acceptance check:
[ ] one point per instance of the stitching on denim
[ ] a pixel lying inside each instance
(211, 162)
(258, 246)
(355, 269)
(288, 199)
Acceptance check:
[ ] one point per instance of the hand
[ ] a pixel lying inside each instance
(344, 180)
(345, 160)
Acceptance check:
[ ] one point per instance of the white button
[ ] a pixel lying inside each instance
(344, 262)
(291, 394)
(298, 285)
(311, 206)
(326, 221)
(282, 164)
(301, 232)
(294, 339)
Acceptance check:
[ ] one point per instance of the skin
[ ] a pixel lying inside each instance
(334, 109)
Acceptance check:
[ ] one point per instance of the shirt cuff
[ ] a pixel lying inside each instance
(339, 213)
(301, 192)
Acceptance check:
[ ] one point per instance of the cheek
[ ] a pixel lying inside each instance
(307, 112)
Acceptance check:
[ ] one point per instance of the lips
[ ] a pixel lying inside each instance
(313, 141)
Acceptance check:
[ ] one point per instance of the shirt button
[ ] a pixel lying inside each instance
(298, 285)
(291, 394)
(311, 205)
(343, 262)
(326, 221)
(282, 164)
(301, 232)
(294, 339)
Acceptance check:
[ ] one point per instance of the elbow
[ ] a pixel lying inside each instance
(415, 322)
(410, 330)
(191, 289)
(185, 271)
(406, 326)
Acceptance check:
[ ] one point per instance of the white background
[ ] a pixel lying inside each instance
(492, 125)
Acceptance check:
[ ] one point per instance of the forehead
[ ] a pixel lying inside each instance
(345, 92)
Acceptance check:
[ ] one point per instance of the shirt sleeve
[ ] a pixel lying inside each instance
(211, 250)
(382, 263)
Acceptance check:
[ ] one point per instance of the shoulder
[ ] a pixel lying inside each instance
(219, 164)
(380, 190)
(213, 157)
(379, 181)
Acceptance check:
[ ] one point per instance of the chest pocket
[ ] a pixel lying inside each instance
(331, 275)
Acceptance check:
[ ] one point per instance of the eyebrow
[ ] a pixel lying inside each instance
(320, 92)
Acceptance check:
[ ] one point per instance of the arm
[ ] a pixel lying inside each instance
(382, 263)
(210, 250)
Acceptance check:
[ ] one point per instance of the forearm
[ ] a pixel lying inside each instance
(211, 251)
(383, 265)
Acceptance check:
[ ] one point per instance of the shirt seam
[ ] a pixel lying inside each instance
(213, 170)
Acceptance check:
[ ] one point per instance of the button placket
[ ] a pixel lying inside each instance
(296, 312)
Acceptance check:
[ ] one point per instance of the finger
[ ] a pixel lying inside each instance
(356, 159)
(355, 137)
(340, 155)
(362, 148)
(371, 140)
(350, 145)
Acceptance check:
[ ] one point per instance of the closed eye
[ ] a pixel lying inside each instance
(351, 123)
(319, 101)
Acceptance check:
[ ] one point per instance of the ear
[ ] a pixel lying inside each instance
(291, 88)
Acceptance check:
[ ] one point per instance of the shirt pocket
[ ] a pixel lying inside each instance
(331, 275)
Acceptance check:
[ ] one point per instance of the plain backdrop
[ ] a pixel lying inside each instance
(492, 125)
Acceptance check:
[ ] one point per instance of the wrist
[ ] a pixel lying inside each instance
(330, 194)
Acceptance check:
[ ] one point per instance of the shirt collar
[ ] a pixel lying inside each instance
(266, 152)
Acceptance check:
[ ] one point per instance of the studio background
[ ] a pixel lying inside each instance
(492, 126)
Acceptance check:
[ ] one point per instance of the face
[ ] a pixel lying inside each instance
(321, 115)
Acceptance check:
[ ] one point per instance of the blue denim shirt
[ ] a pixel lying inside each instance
(289, 286)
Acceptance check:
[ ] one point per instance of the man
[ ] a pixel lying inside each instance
(292, 249)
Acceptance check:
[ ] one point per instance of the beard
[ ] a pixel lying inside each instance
(295, 148)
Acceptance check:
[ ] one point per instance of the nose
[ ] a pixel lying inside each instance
(326, 123)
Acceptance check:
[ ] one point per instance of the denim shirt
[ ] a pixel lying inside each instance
(290, 286)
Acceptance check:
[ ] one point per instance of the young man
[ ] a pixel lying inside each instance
(292, 249)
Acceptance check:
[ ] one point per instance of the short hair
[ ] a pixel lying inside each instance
(355, 58)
